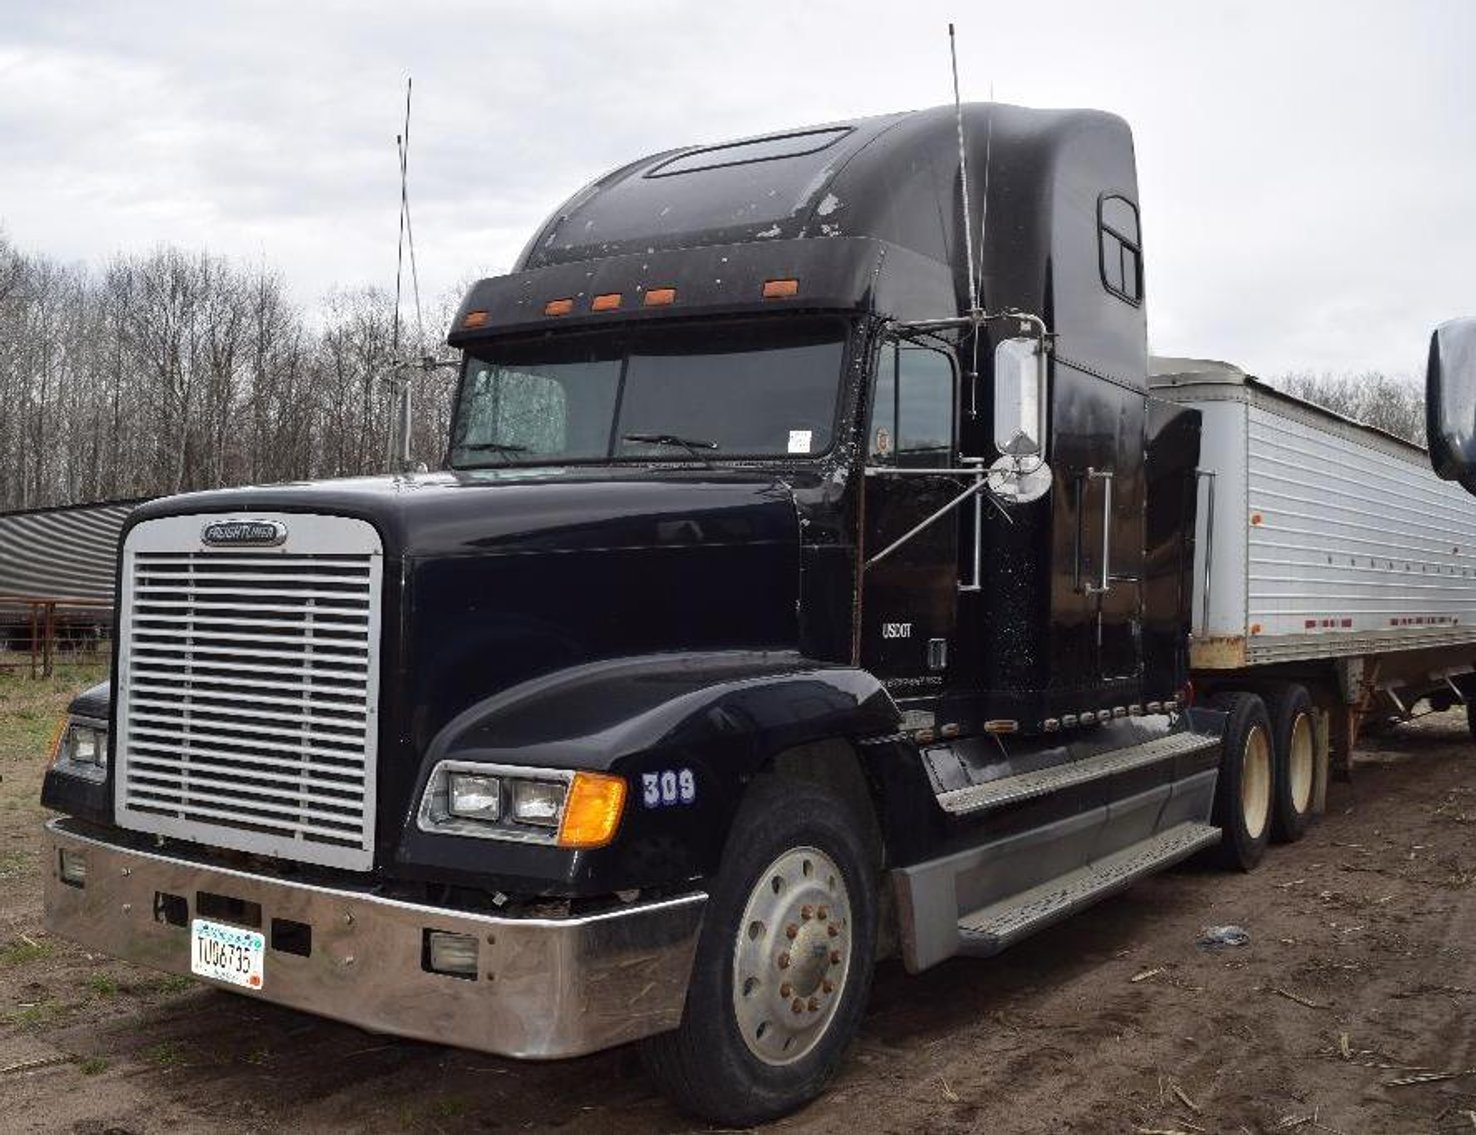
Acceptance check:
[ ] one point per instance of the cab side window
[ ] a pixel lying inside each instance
(1120, 247)
(912, 408)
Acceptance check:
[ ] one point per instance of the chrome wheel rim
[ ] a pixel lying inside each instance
(792, 955)
(1300, 762)
(1255, 782)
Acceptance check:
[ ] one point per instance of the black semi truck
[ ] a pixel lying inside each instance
(809, 582)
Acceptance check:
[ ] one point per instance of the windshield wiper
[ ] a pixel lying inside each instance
(501, 448)
(690, 444)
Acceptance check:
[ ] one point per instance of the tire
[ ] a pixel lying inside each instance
(765, 1028)
(1243, 793)
(1471, 713)
(1295, 741)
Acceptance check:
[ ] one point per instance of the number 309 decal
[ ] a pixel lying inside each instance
(668, 787)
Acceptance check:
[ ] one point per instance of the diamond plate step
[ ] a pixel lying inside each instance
(1042, 782)
(991, 929)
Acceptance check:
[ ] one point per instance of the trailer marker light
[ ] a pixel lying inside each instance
(592, 810)
(475, 319)
(659, 297)
(1068, 720)
(1256, 518)
(1051, 724)
(780, 289)
(1001, 725)
(1154, 707)
(559, 307)
(610, 301)
(452, 954)
(1255, 628)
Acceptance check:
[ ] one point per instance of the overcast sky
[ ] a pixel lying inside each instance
(1307, 170)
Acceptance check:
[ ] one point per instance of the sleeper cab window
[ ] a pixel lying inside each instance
(912, 408)
(1120, 248)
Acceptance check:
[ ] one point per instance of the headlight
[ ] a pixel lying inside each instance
(82, 749)
(550, 806)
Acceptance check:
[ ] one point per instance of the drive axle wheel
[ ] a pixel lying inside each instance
(1243, 792)
(1296, 763)
(783, 966)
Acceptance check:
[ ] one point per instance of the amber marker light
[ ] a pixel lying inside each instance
(660, 297)
(558, 307)
(56, 741)
(475, 319)
(610, 301)
(592, 810)
(780, 289)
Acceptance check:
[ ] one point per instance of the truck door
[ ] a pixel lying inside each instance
(909, 594)
(1109, 503)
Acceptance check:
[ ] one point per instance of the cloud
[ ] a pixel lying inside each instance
(1305, 169)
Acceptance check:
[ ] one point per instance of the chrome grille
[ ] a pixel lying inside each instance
(248, 689)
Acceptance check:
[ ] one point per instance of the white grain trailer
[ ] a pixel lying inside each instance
(1334, 573)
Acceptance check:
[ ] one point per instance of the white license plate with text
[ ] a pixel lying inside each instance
(227, 953)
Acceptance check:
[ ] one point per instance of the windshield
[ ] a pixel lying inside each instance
(741, 390)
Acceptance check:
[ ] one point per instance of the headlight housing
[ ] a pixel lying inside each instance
(81, 749)
(559, 807)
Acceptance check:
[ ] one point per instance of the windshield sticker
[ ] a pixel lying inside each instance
(799, 441)
(883, 444)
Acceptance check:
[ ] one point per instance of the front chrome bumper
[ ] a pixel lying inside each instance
(545, 987)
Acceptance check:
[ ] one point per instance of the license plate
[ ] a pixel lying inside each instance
(227, 953)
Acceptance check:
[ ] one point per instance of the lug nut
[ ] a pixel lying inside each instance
(813, 1004)
(784, 961)
(791, 930)
(835, 957)
(798, 1006)
(807, 912)
(827, 986)
(823, 913)
(833, 930)
(786, 990)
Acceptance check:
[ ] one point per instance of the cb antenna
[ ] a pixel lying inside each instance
(963, 179)
(400, 427)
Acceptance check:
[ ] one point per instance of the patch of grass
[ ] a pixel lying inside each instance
(13, 863)
(167, 1054)
(172, 984)
(102, 984)
(92, 1065)
(30, 709)
(38, 1014)
(21, 951)
(447, 1108)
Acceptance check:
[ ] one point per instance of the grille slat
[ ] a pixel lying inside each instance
(249, 689)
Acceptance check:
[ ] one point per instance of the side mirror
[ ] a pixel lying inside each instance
(1019, 397)
(1450, 401)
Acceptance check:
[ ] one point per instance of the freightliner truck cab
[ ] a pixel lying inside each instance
(808, 582)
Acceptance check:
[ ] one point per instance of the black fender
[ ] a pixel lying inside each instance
(687, 732)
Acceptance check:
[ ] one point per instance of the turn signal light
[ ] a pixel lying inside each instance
(558, 307)
(780, 289)
(592, 810)
(607, 302)
(475, 319)
(660, 297)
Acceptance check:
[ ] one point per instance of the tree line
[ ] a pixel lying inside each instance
(171, 370)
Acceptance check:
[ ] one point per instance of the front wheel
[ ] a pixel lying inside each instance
(783, 966)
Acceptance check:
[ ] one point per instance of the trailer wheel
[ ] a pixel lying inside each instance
(783, 966)
(1296, 762)
(1243, 794)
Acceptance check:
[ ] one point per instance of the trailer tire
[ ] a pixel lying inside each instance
(1295, 739)
(783, 966)
(1243, 792)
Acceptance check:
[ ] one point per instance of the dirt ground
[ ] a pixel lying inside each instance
(1349, 1011)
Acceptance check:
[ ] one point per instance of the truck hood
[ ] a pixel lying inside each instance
(502, 511)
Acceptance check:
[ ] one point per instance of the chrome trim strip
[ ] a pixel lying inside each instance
(546, 987)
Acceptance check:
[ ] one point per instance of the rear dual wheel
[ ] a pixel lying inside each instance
(1290, 709)
(1243, 792)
